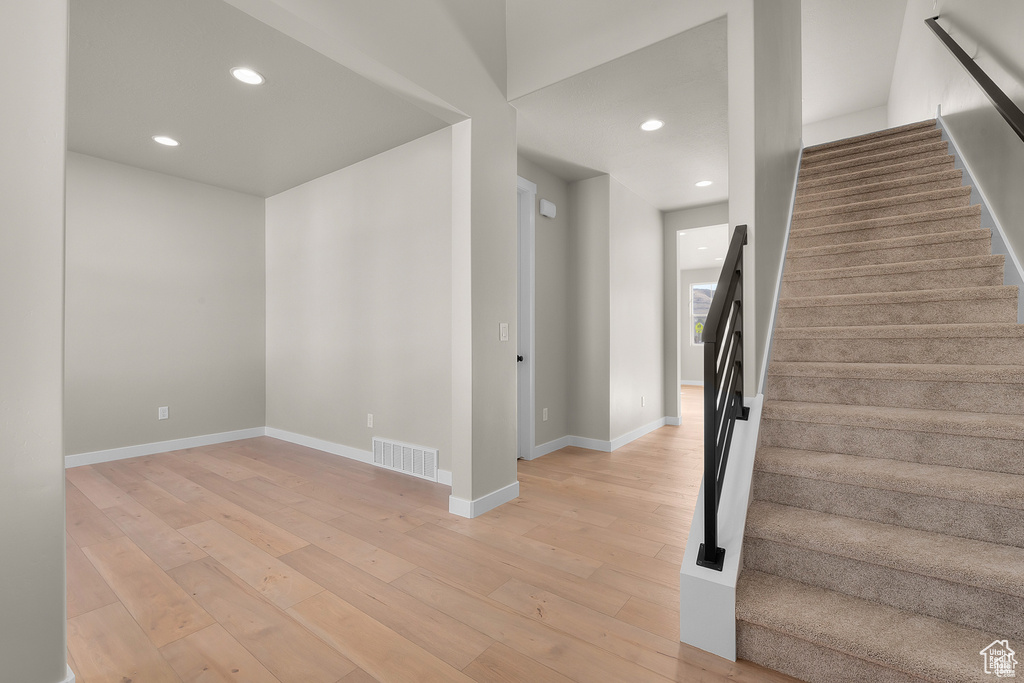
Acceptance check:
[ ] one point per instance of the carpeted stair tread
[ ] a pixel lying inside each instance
(990, 566)
(860, 332)
(887, 134)
(891, 243)
(893, 170)
(884, 207)
(938, 651)
(964, 271)
(913, 297)
(907, 139)
(960, 217)
(879, 190)
(981, 487)
(891, 156)
(956, 263)
(980, 425)
(982, 374)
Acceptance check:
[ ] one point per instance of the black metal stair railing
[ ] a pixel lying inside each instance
(723, 389)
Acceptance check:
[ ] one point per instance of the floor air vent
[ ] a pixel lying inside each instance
(415, 460)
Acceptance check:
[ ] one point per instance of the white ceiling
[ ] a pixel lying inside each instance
(714, 238)
(849, 51)
(138, 68)
(589, 124)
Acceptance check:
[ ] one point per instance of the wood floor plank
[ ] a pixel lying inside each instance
(366, 556)
(108, 646)
(275, 580)
(164, 545)
(658, 593)
(263, 469)
(375, 648)
(630, 542)
(562, 583)
(213, 656)
(226, 468)
(282, 645)
(97, 488)
(358, 676)
(657, 619)
(86, 523)
(85, 587)
(564, 653)
(501, 664)
(446, 638)
(672, 554)
(633, 644)
(174, 512)
(163, 610)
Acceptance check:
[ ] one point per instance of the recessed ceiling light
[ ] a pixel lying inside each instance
(247, 75)
(652, 124)
(701, 248)
(702, 183)
(164, 140)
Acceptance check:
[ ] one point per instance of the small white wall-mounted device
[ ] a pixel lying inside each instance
(547, 209)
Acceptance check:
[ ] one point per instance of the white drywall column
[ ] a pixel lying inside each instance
(33, 76)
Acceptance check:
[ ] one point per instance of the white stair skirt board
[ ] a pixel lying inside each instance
(443, 476)
(707, 598)
(160, 447)
(598, 444)
(475, 508)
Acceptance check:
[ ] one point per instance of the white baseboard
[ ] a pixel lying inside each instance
(691, 382)
(443, 476)
(160, 447)
(475, 508)
(70, 678)
(598, 444)
(636, 434)
(550, 447)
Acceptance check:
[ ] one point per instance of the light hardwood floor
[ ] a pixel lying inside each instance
(260, 561)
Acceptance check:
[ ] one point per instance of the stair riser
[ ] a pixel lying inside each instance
(864, 149)
(990, 276)
(899, 156)
(958, 603)
(972, 452)
(808, 661)
(810, 201)
(958, 351)
(871, 176)
(883, 232)
(1007, 399)
(902, 254)
(916, 313)
(940, 515)
(848, 213)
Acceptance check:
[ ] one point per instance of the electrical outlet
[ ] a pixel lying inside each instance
(369, 419)
(162, 413)
(544, 415)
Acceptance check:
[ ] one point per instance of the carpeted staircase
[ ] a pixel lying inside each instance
(886, 537)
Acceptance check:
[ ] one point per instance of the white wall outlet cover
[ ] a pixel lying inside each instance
(162, 413)
(547, 209)
(369, 419)
(544, 415)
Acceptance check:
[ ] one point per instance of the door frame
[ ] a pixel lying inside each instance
(526, 194)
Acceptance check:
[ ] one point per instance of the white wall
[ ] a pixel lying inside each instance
(33, 81)
(359, 301)
(927, 75)
(691, 356)
(674, 221)
(165, 307)
(551, 322)
(637, 366)
(846, 126)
